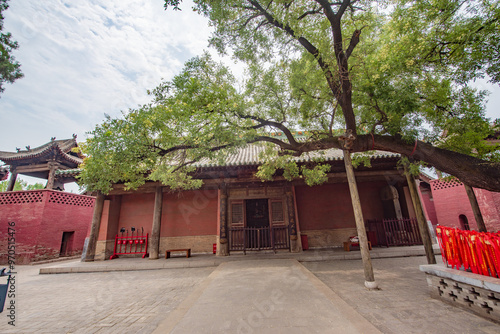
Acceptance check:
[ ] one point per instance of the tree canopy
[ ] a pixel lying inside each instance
(21, 185)
(10, 69)
(394, 73)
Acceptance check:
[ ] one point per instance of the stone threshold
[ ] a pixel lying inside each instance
(198, 260)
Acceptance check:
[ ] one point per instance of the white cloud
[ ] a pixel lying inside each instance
(82, 59)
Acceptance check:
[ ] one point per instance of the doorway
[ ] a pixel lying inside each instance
(257, 224)
(66, 243)
(257, 216)
(257, 213)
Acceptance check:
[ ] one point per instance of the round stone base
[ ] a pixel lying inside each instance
(371, 285)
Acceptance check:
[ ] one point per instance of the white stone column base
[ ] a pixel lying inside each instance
(371, 285)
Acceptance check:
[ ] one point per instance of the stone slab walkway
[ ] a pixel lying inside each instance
(267, 296)
(253, 294)
(403, 303)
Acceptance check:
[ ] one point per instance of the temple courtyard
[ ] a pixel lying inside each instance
(311, 292)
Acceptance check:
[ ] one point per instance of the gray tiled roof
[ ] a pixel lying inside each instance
(68, 172)
(249, 156)
(63, 146)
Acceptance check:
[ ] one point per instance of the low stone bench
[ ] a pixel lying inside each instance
(168, 251)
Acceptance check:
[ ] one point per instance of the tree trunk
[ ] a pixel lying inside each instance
(475, 208)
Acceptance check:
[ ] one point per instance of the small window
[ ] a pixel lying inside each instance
(237, 215)
(277, 216)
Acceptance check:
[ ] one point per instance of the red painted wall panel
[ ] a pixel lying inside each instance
(189, 213)
(110, 218)
(137, 211)
(329, 206)
(103, 228)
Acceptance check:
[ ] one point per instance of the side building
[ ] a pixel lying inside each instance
(43, 224)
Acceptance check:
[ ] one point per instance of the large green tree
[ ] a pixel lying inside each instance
(395, 74)
(10, 69)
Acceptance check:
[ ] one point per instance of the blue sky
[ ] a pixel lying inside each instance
(82, 59)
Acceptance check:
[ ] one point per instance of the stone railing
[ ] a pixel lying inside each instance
(475, 293)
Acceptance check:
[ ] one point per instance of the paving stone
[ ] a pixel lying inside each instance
(403, 305)
(139, 301)
(101, 302)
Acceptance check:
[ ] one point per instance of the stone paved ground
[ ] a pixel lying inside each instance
(115, 302)
(403, 304)
(137, 301)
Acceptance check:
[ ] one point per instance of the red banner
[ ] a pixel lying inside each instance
(477, 252)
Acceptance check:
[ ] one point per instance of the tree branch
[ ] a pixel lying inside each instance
(334, 86)
(277, 125)
(354, 41)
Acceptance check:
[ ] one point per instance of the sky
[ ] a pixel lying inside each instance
(82, 59)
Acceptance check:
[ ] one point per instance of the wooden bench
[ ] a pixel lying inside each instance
(168, 251)
(348, 245)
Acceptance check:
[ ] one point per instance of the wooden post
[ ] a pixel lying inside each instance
(223, 241)
(52, 175)
(94, 229)
(475, 208)
(154, 241)
(422, 224)
(292, 222)
(12, 180)
(358, 216)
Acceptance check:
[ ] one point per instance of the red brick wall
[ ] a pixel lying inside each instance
(41, 217)
(64, 212)
(451, 201)
(329, 206)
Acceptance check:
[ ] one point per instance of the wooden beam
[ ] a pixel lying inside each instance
(33, 168)
(365, 176)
